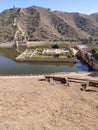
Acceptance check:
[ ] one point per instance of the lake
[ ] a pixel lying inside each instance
(9, 66)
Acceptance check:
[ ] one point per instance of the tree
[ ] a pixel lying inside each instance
(55, 46)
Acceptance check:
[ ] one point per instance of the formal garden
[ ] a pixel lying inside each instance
(46, 54)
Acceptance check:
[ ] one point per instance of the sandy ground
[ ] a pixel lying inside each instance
(29, 103)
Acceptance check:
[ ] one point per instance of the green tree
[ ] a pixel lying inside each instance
(55, 46)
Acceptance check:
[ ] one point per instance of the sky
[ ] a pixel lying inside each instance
(81, 6)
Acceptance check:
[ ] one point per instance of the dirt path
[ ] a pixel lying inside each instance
(19, 30)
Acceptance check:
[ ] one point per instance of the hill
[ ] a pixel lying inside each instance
(38, 24)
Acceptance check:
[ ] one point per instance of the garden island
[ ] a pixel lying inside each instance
(54, 54)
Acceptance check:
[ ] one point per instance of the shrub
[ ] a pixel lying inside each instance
(55, 46)
(95, 52)
(56, 55)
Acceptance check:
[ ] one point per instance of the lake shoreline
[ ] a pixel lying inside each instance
(79, 74)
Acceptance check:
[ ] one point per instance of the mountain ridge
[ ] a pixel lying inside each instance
(37, 24)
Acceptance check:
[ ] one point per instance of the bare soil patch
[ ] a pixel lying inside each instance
(28, 103)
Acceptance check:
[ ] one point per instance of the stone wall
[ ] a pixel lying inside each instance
(89, 59)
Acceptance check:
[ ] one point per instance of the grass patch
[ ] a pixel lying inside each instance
(36, 56)
(40, 49)
(41, 56)
(45, 56)
(63, 56)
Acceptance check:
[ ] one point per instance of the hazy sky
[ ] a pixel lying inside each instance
(81, 6)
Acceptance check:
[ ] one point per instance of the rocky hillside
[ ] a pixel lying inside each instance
(36, 23)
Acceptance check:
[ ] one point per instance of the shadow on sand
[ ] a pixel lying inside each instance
(89, 90)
